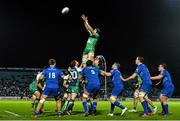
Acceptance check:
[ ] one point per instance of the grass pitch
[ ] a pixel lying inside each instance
(21, 110)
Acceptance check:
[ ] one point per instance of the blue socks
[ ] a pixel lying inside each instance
(149, 109)
(94, 105)
(116, 103)
(165, 109)
(85, 106)
(112, 108)
(145, 107)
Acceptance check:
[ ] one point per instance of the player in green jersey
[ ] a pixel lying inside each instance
(73, 86)
(89, 51)
(36, 88)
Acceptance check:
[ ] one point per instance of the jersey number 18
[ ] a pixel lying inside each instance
(52, 75)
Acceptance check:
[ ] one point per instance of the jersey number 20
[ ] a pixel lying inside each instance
(74, 75)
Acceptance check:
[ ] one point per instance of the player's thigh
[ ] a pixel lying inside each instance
(46, 91)
(117, 90)
(37, 94)
(91, 55)
(73, 95)
(145, 88)
(113, 98)
(56, 92)
(136, 93)
(163, 98)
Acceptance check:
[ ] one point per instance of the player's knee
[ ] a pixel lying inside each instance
(112, 99)
(85, 96)
(95, 97)
(57, 98)
(141, 95)
(42, 100)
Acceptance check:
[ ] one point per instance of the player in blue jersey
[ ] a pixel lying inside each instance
(168, 87)
(52, 76)
(117, 89)
(143, 72)
(91, 73)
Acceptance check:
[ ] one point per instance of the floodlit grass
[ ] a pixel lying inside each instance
(23, 109)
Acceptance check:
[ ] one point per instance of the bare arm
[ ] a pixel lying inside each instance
(103, 73)
(131, 77)
(87, 26)
(122, 78)
(157, 77)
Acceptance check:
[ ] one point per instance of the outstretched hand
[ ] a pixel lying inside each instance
(85, 18)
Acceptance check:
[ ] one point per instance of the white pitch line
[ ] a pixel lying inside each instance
(15, 114)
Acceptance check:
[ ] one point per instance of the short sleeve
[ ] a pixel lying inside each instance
(83, 72)
(61, 73)
(138, 70)
(112, 72)
(162, 73)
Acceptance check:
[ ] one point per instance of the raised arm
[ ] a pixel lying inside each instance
(87, 26)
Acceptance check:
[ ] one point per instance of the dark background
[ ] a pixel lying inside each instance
(31, 32)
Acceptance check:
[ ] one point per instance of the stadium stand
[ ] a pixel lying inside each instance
(15, 82)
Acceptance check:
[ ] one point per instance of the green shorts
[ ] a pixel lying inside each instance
(73, 89)
(88, 50)
(33, 90)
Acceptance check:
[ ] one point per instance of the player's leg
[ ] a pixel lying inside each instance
(165, 94)
(39, 106)
(94, 103)
(135, 100)
(64, 100)
(66, 105)
(44, 95)
(151, 103)
(113, 99)
(56, 93)
(90, 56)
(144, 104)
(84, 102)
(164, 104)
(37, 95)
(33, 102)
(145, 88)
(84, 58)
(71, 102)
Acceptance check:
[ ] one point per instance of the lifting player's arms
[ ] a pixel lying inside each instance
(117, 89)
(89, 51)
(145, 88)
(168, 87)
(52, 75)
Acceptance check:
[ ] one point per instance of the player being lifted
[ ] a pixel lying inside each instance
(52, 76)
(168, 87)
(36, 88)
(143, 72)
(117, 89)
(72, 87)
(89, 51)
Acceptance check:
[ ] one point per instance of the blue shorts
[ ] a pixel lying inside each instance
(48, 91)
(92, 89)
(145, 88)
(117, 90)
(167, 91)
